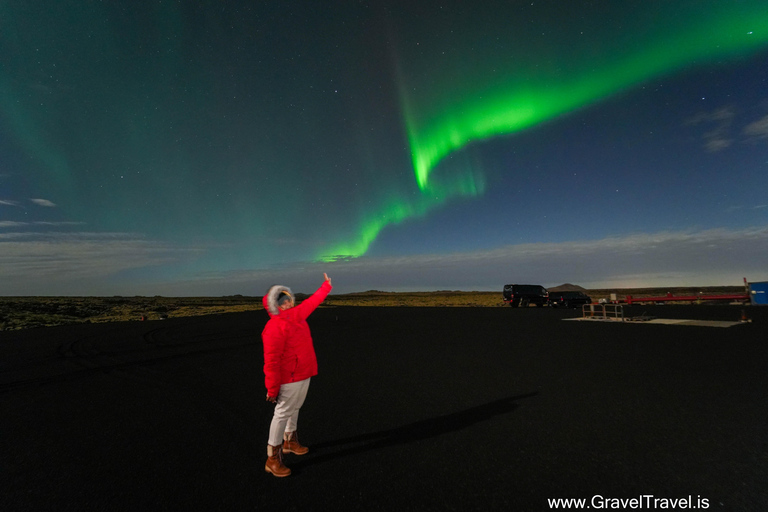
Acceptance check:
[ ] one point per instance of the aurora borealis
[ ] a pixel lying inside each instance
(526, 96)
(195, 148)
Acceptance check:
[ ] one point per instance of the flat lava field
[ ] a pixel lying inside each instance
(29, 312)
(415, 408)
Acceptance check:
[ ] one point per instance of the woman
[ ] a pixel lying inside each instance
(289, 363)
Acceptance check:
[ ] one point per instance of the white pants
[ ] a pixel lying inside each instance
(286, 417)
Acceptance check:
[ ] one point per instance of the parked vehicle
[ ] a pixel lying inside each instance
(568, 299)
(525, 294)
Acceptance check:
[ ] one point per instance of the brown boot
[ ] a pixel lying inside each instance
(275, 462)
(291, 444)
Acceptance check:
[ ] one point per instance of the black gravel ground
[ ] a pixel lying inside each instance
(414, 409)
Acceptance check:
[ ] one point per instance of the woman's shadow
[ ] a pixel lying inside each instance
(413, 432)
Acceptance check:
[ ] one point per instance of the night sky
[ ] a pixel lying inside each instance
(216, 148)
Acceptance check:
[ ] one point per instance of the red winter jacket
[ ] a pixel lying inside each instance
(289, 355)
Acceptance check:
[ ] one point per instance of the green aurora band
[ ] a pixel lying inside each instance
(443, 118)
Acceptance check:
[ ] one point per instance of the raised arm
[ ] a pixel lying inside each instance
(306, 308)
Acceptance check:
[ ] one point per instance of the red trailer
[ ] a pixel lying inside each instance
(733, 297)
(669, 297)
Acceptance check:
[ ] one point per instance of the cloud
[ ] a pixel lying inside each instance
(43, 202)
(47, 263)
(716, 142)
(713, 257)
(92, 263)
(757, 129)
(721, 120)
(11, 223)
(59, 223)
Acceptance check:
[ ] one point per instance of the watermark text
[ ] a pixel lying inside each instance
(642, 502)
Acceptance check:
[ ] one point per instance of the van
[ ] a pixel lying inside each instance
(525, 294)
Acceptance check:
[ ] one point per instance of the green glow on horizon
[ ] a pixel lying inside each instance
(466, 182)
(532, 97)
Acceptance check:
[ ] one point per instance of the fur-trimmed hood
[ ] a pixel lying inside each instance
(270, 299)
